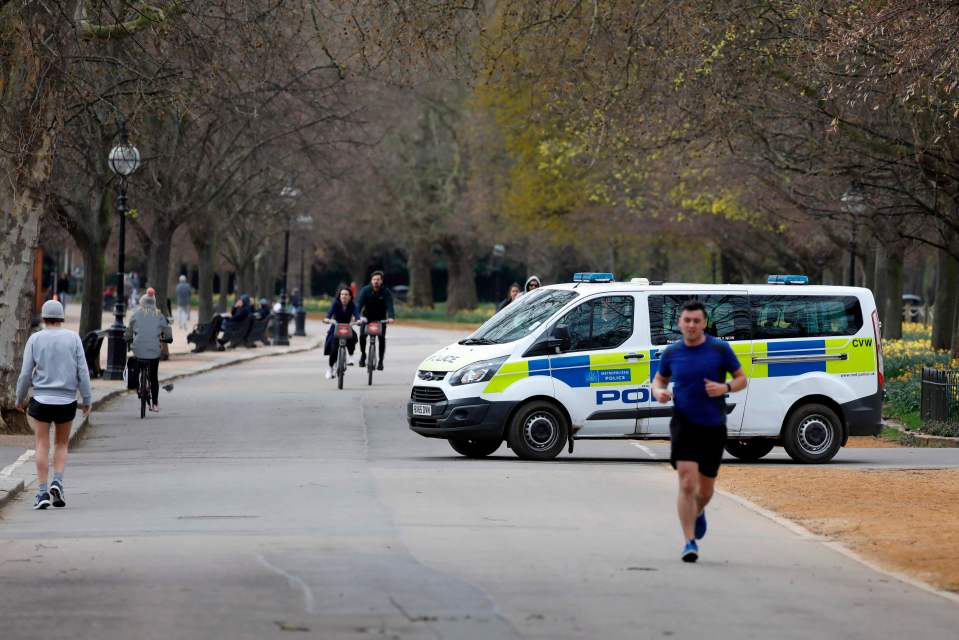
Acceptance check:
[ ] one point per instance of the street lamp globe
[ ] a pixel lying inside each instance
(854, 199)
(124, 159)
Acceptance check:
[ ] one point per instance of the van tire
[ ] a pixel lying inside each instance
(750, 449)
(475, 448)
(813, 434)
(538, 431)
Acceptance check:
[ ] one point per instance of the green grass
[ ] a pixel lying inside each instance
(438, 313)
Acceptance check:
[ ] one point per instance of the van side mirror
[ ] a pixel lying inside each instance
(559, 338)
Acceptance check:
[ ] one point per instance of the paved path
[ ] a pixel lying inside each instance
(264, 502)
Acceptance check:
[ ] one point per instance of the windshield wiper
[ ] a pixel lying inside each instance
(477, 341)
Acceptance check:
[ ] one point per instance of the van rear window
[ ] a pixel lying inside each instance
(785, 316)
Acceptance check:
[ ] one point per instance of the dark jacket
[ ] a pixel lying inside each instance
(503, 304)
(338, 313)
(375, 306)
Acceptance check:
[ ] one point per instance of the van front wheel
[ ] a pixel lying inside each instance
(751, 449)
(538, 431)
(813, 434)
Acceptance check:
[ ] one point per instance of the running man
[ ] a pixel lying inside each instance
(698, 365)
(54, 365)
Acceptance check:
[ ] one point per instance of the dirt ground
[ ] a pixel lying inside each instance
(905, 520)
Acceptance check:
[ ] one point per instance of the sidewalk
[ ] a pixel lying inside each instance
(17, 468)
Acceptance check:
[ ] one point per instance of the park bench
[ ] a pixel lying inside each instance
(258, 331)
(91, 351)
(235, 333)
(204, 334)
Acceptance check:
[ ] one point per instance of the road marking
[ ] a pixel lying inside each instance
(23, 459)
(295, 583)
(646, 450)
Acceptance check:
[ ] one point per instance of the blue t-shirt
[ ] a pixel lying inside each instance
(689, 367)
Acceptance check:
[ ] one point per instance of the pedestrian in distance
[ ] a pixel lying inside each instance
(55, 367)
(375, 304)
(697, 366)
(183, 293)
(532, 283)
(343, 310)
(147, 328)
(511, 295)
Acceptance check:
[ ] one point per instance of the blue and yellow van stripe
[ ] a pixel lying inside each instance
(613, 369)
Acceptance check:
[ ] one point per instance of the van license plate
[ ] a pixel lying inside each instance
(422, 409)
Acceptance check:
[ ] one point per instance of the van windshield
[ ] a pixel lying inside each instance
(521, 317)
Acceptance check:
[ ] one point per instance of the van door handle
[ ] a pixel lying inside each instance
(634, 356)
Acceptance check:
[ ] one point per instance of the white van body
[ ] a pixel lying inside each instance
(576, 361)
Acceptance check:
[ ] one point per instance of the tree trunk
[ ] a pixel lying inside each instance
(892, 285)
(244, 278)
(158, 265)
(265, 268)
(94, 270)
(224, 301)
(876, 278)
(206, 251)
(943, 324)
(31, 97)
(421, 280)
(870, 268)
(461, 287)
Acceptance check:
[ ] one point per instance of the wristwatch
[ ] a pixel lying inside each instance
(729, 388)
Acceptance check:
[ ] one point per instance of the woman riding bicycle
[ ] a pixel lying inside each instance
(147, 328)
(343, 310)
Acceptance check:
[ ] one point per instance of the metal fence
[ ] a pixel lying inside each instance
(940, 395)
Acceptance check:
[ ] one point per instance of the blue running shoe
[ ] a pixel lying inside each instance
(42, 500)
(691, 552)
(56, 494)
(700, 525)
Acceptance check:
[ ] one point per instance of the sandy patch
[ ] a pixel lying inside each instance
(870, 442)
(902, 519)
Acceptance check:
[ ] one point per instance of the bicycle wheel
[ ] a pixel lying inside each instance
(371, 361)
(340, 367)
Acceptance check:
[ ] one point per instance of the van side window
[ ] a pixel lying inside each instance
(786, 316)
(727, 316)
(600, 323)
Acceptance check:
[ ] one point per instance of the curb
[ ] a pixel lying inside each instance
(912, 439)
(806, 534)
(11, 487)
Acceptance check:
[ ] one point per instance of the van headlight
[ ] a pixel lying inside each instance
(477, 372)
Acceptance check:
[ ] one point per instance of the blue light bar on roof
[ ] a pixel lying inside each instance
(784, 279)
(588, 276)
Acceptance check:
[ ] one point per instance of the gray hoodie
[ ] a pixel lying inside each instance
(146, 327)
(54, 365)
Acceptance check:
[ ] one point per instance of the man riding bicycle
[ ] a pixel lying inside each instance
(375, 304)
(342, 311)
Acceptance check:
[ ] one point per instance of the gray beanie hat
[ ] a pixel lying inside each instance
(52, 310)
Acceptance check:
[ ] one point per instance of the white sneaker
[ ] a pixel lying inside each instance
(329, 373)
(351, 362)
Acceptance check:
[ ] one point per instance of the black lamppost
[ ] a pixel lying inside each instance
(282, 333)
(123, 160)
(303, 223)
(853, 201)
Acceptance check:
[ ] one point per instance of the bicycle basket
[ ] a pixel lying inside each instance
(374, 329)
(343, 330)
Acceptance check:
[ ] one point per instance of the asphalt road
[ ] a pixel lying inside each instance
(263, 502)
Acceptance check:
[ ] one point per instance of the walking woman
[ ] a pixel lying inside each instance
(54, 365)
(147, 327)
(342, 310)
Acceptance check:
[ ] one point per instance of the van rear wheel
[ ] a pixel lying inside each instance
(538, 431)
(475, 448)
(813, 434)
(751, 449)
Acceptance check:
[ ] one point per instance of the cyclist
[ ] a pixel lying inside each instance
(146, 329)
(375, 304)
(532, 283)
(512, 295)
(343, 310)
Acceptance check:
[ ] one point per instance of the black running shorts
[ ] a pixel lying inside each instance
(47, 413)
(691, 442)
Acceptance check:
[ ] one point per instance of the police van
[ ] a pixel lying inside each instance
(576, 361)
